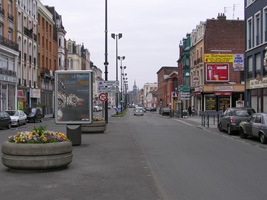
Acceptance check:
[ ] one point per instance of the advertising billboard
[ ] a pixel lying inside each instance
(238, 62)
(73, 97)
(217, 72)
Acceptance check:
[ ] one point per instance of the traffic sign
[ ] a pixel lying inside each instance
(117, 109)
(107, 89)
(108, 83)
(103, 97)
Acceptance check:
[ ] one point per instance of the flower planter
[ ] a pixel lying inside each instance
(95, 127)
(36, 156)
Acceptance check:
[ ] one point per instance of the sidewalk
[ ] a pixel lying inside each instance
(196, 121)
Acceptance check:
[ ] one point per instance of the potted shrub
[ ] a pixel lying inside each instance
(39, 149)
(97, 126)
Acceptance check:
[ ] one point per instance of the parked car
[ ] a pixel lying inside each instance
(5, 120)
(96, 109)
(138, 111)
(231, 118)
(34, 114)
(166, 111)
(256, 126)
(152, 109)
(18, 117)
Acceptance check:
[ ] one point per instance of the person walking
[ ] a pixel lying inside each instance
(189, 110)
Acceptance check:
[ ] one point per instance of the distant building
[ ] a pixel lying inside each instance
(150, 94)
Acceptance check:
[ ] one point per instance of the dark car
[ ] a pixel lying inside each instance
(152, 109)
(256, 126)
(166, 111)
(34, 114)
(231, 118)
(5, 120)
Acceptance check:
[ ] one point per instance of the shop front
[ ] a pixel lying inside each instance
(8, 87)
(257, 94)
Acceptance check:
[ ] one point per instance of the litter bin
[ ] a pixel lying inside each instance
(184, 113)
(74, 134)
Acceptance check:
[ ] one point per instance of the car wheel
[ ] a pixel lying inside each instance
(229, 131)
(220, 127)
(263, 138)
(18, 123)
(242, 134)
(9, 125)
(25, 122)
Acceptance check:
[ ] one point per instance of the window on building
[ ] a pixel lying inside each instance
(10, 35)
(59, 42)
(69, 47)
(258, 63)
(249, 33)
(0, 3)
(249, 2)
(9, 7)
(257, 29)
(250, 67)
(201, 76)
(265, 24)
(175, 83)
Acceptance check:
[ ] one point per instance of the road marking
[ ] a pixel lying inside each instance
(183, 122)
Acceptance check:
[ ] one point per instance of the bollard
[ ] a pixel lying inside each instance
(208, 121)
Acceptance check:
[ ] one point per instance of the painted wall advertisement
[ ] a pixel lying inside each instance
(217, 72)
(218, 58)
(73, 98)
(238, 62)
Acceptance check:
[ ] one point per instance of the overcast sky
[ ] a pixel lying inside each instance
(152, 30)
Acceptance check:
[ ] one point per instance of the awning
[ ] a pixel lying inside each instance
(197, 93)
(223, 93)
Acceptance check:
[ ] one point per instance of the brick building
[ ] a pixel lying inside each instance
(165, 88)
(217, 64)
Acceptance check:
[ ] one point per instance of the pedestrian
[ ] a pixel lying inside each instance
(193, 110)
(189, 110)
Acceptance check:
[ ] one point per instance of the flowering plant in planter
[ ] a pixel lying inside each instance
(38, 135)
(98, 118)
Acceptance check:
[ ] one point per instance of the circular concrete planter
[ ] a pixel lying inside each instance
(36, 156)
(95, 127)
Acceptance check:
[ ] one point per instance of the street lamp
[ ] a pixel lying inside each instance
(106, 55)
(122, 74)
(116, 37)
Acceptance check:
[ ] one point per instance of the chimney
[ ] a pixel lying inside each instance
(221, 16)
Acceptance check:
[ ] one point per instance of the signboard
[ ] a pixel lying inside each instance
(103, 97)
(238, 62)
(108, 83)
(107, 89)
(35, 93)
(224, 88)
(73, 97)
(195, 79)
(258, 83)
(218, 58)
(217, 72)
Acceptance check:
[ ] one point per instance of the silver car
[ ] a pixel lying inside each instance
(256, 126)
(18, 117)
(139, 111)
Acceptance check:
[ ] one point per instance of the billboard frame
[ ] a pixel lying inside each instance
(72, 75)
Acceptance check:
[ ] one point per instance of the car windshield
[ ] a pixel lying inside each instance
(13, 113)
(243, 113)
(138, 108)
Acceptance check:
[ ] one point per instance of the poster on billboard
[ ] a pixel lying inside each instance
(238, 62)
(217, 72)
(73, 97)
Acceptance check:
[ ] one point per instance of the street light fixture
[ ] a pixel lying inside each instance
(122, 74)
(116, 37)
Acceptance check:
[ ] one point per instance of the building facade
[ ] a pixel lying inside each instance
(217, 66)
(149, 94)
(255, 46)
(47, 62)
(9, 53)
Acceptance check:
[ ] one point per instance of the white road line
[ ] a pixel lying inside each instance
(183, 122)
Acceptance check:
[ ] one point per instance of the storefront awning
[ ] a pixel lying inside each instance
(196, 93)
(223, 93)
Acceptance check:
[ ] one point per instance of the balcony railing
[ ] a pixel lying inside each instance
(28, 32)
(2, 11)
(8, 43)
(10, 17)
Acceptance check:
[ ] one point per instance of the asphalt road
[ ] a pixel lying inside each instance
(148, 157)
(190, 163)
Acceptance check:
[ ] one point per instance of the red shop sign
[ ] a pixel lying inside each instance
(223, 93)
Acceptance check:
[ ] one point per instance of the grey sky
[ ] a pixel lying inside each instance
(152, 30)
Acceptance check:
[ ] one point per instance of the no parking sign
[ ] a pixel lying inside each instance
(103, 97)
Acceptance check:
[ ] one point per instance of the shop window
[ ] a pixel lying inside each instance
(210, 103)
(224, 102)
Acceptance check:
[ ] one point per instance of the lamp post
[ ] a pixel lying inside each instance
(106, 56)
(116, 37)
(122, 74)
(121, 58)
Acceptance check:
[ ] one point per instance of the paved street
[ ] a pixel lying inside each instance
(148, 157)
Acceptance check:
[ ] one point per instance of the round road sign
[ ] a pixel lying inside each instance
(103, 97)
